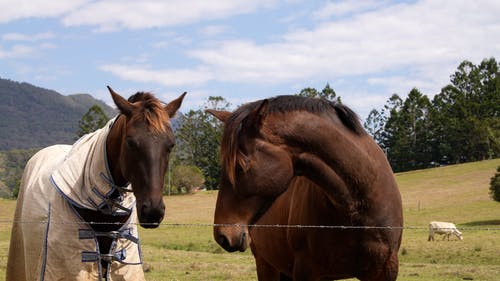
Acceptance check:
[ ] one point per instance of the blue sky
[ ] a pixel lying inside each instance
(244, 50)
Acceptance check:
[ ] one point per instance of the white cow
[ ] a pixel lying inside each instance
(446, 228)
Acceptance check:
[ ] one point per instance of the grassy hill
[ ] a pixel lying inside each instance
(456, 193)
(33, 117)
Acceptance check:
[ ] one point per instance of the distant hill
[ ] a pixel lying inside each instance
(34, 117)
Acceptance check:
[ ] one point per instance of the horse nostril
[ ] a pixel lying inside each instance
(243, 238)
(243, 242)
(145, 208)
(223, 241)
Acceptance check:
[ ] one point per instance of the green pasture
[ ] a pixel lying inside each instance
(183, 248)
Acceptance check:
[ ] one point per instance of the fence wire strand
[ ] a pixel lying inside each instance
(180, 225)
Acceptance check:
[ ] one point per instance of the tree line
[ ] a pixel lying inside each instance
(459, 124)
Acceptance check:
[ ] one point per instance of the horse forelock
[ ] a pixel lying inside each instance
(151, 111)
(231, 154)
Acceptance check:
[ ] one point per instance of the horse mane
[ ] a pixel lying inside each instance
(231, 154)
(151, 111)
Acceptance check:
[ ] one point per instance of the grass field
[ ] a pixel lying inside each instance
(456, 193)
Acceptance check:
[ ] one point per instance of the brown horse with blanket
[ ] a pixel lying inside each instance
(308, 190)
(78, 206)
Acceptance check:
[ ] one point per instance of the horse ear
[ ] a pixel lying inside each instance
(219, 114)
(256, 116)
(172, 107)
(123, 105)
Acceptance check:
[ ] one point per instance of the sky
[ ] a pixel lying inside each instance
(245, 50)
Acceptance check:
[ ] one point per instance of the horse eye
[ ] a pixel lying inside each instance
(170, 145)
(131, 143)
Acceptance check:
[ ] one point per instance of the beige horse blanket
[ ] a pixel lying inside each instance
(50, 241)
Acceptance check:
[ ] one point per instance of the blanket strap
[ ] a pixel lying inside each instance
(90, 234)
(118, 256)
(113, 203)
(109, 204)
(94, 256)
(121, 189)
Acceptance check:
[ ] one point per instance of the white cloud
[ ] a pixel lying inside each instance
(19, 9)
(28, 38)
(169, 78)
(17, 51)
(364, 102)
(396, 47)
(213, 30)
(115, 14)
(386, 39)
(111, 15)
(341, 8)
(30, 45)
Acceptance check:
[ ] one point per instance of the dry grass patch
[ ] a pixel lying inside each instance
(447, 186)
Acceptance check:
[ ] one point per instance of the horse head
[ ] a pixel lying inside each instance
(255, 171)
(138, 148)
(255, 161)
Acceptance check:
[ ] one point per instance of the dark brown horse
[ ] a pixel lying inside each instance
(300, 161)
(87, 198)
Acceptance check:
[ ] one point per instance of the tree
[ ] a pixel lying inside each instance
(327, 93)
(308, 92)
(461, 124)
(374, 125)
(468, 112)
(495, 186)
(187, 178)
(415, 111)
(94, 119)
(393, 139)
(404, 135)
(199, 138)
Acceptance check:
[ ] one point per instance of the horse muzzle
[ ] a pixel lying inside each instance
(150, 216)
(232, 238)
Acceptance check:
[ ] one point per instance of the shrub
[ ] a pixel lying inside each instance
(495, 186)
(187, 178)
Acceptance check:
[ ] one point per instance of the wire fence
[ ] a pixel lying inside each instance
(186, 225)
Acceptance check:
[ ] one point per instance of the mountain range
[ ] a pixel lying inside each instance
(34, 117)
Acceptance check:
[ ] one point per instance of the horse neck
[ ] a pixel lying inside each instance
(329, 141)
(114, 143)
(336, 159)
